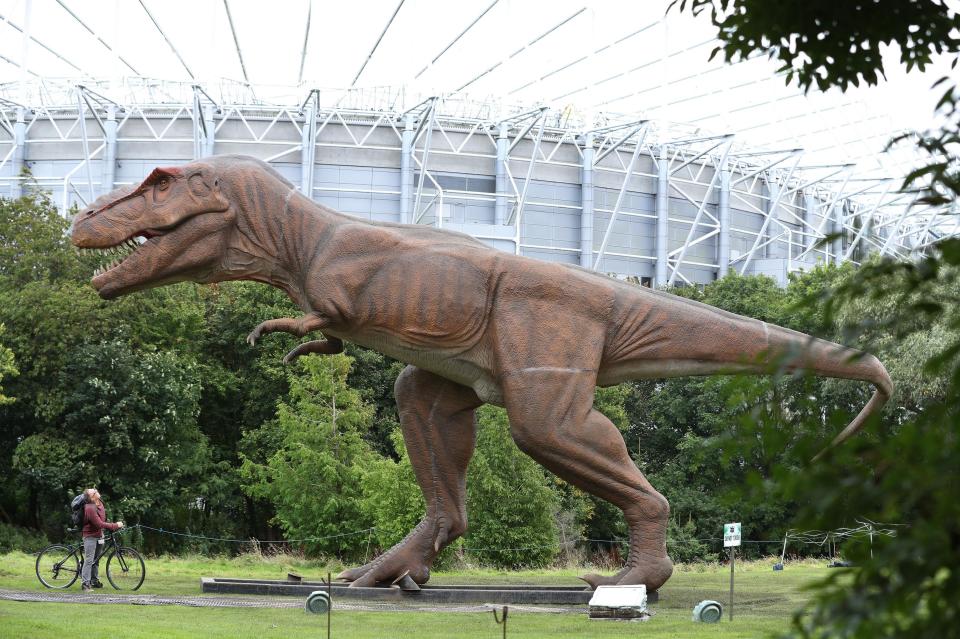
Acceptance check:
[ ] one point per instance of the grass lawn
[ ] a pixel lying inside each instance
(764, 602)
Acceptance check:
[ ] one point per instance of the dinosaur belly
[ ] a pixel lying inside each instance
(455, 365)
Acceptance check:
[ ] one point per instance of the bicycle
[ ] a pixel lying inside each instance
(59, 565)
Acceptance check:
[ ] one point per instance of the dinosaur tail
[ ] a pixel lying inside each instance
(833, 360)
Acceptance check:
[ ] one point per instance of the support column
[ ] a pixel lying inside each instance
(865, 245)
(723, 211)
(308, 146)
(406, 171)
(836, 245)
(500, 212)
(211, 126)
(19, 153)
(810, 207)
(108, 176)
(770, 190)
(663, 206)
(586, 203)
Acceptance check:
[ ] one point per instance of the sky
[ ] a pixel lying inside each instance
(597, 58)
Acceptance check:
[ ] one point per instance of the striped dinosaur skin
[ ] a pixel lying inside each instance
(475, 325)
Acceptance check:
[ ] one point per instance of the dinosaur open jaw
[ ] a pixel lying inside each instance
(124, 262)
(114, 256)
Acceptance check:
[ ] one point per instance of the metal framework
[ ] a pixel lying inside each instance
(714, 206)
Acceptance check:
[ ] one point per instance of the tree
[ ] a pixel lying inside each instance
(125, 423)
(7, 368)
(832, 44)
(510, 504)
(313, 478)
(906, 472)
(33, 241)
(373, 375)
(391, 497)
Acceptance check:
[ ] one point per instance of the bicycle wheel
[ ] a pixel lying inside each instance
(125, 569)
(58, 566)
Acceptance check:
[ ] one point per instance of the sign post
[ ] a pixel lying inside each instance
(731, 539)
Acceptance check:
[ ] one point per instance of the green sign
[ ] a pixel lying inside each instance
(731, 535)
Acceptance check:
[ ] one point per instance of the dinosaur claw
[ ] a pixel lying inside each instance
(406, 582)
(599, 580)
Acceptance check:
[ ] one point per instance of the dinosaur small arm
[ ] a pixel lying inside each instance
(475, 325)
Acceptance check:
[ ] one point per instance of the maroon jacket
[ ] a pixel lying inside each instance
(95, 520)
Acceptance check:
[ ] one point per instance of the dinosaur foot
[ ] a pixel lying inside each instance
(652, 573)
(407, 564)
(405, 572)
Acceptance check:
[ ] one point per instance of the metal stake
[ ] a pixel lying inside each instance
(733, 559)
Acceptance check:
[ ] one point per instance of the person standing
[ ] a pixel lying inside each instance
(94, 521)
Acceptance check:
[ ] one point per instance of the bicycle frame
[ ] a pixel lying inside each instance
(111, 541)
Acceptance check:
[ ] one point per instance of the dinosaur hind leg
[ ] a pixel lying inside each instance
(552, 419)
(437, 419)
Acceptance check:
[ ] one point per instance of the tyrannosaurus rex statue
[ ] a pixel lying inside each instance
(475, 325)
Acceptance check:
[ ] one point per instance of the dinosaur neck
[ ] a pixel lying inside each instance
(278, 234)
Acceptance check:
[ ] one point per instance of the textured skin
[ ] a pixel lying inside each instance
(474, 324)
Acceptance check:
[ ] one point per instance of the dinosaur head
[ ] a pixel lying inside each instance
(172, 227)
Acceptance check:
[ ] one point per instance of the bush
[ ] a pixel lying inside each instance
(510, 504)
(17, 538)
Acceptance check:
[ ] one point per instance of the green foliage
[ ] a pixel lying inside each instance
(683, 543)
(48, 463)
(33, 243)
(7, 367)
(831, 44)
(908, 312)
(938, 180)
(903, 471)
(391, 498)
(127, 425)
(19, 538)
(373, 375)
(510, 504)
(313, 480)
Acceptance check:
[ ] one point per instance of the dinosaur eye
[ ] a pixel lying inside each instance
(163, 183)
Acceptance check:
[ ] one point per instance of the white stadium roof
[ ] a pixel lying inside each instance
(593, 62)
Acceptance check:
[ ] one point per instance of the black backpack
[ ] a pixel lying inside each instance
(77, 510)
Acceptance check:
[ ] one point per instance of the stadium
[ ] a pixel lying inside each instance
(614, 183)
